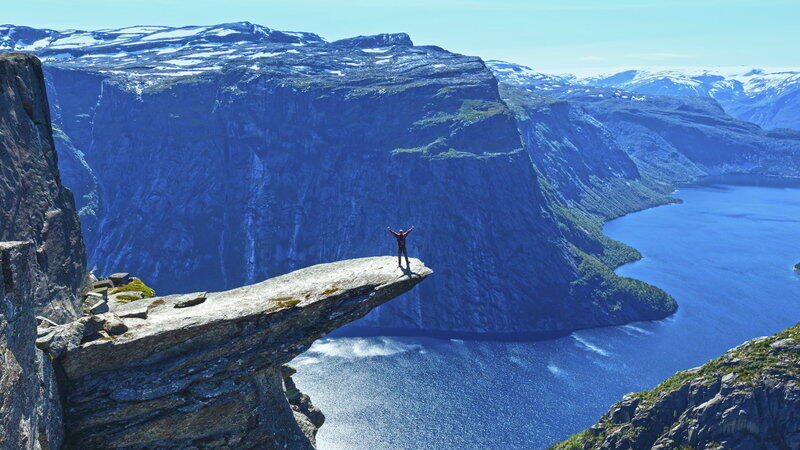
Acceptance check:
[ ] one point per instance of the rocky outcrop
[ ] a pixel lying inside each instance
(41, 257)
(206, 369)
(30, 405)
(34, 205)
(749, 398)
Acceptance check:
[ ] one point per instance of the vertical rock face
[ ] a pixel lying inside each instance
(30, 410)
(251, 175)
(33, 204)
(41, 256)
(748, 398)
(588, 169)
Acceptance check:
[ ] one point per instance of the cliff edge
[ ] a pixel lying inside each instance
(206, 369)
(748, 398)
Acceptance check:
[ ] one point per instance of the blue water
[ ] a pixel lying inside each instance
(725, 254)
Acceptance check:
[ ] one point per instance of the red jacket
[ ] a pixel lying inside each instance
(401, 237)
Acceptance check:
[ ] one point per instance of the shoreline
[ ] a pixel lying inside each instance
(535, 336)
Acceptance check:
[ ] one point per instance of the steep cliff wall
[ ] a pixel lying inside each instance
(41, 257)
(33, 203)
(580, 157)
(746, 399)
(223, 177)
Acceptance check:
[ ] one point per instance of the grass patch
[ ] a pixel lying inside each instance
(470, 111)
(155, 303)
(136, 285)
(125, 298)
(574, 442)
(752, 362)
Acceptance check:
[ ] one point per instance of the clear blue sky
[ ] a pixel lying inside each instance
(551, 35)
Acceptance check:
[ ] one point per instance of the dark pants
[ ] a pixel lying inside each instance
(401, 250)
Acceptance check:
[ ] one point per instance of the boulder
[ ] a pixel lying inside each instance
(120, 279)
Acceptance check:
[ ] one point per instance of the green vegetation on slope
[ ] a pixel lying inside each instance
(614, 293)
(753, 363)
(470, 111)
(136, 285)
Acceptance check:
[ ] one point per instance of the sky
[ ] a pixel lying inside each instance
(578, 36)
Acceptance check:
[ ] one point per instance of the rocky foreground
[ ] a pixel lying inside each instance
(748, 398)
(207, 369)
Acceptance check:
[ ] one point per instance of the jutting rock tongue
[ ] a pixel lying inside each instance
(207, 370)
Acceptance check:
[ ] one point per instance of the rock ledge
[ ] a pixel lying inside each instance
(209, 374)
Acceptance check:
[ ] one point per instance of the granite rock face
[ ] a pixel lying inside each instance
(212, 374)
(203, 163)
(41, 257)
(749, 398)
(34, 205)
(30, 405)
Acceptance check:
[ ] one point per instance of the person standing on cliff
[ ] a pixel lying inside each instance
(401, 244)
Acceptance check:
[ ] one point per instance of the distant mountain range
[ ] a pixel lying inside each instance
(769, 98)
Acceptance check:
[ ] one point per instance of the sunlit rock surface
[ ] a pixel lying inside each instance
(205, 369)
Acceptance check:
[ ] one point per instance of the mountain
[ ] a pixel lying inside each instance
(668, 139)
(210, 157)
(769, 98)
(746, 398)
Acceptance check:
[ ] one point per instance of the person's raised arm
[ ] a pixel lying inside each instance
(391, 231)
(409, 231)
